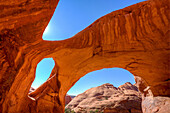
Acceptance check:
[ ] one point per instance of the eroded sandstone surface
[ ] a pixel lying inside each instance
(135, 38)
(156, 104)
(124, 99)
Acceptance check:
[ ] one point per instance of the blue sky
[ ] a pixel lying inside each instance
(70, 17)
(43, 70)
(115, 76)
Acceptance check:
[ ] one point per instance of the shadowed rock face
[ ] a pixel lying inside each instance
(108, 98)
(135, 38)
(67, 99)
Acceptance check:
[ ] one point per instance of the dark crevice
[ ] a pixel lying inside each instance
(167, 79)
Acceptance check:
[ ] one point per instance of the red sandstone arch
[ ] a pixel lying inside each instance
(135, 38)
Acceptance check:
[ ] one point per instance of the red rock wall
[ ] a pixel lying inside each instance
(67, 99)
(22, 23)
(135, 38)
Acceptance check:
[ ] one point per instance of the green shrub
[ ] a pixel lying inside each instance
(72, 111)
(91, 111)
(100, 100)
(106, 98)
(67, 110)
(96, 111)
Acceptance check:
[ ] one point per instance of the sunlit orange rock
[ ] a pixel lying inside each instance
(135, 38)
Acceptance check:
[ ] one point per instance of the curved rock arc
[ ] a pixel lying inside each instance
(135, 38)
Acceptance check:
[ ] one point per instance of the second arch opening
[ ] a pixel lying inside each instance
(105, 90)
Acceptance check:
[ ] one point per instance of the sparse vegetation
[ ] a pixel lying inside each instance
(100, 100)
(97, 111)
(73, 111)
(92, 112)
(106, 98)
(69, 111)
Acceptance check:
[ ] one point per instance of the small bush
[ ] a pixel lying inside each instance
(91, 111)
(73, 111)
(96, 111)
(106, 98)
(67, 110)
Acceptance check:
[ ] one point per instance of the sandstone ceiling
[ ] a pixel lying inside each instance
(135, 38)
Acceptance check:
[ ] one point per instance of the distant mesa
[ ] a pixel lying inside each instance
(107, 98)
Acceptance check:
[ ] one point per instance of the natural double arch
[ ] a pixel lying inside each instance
(134, 38)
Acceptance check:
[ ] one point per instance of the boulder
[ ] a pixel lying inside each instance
(156, 104)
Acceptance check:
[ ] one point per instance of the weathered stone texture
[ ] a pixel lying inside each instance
(156, 104)
(135, 38)
(107, 98)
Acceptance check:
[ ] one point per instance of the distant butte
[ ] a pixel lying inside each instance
(135, 38)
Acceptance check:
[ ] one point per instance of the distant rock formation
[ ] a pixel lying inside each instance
(107, 98)
(72, 96)
(67, 99)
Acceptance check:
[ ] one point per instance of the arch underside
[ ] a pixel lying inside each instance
(135, 38)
